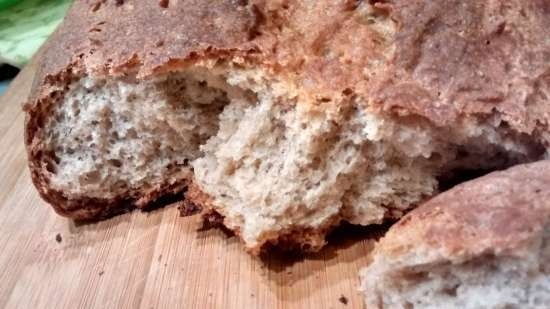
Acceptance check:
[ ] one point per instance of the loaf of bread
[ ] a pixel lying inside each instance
(484, 244)
(285, 117)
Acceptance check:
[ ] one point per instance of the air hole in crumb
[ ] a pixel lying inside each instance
(164, 3)
(60, 117)
(257, 163)
(96, 6)
(436, 156)
(316, 163)
(131, 97)
(451, 291)
(90, 177)
(415, 276)
(230, 168)
(348, 160)
(351, 5)
(115, 163)
(131, 133)
(51, 167)
(347, 92)
(408, 305)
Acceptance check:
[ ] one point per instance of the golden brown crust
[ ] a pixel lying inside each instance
(502, 214)
(443, 60)
(457, 58)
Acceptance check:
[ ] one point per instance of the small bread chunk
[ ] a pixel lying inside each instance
(484, 244)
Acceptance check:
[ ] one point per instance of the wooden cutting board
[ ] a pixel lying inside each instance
(148, 260)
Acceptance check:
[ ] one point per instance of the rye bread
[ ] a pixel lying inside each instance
(469, 75)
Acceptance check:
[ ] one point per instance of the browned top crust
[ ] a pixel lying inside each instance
(503, 213)
(461, 57)
(440, 59)
(116, 37)
(443, 59)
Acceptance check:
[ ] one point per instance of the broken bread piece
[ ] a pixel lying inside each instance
(284, 117)
(108, 126)
(484, 244)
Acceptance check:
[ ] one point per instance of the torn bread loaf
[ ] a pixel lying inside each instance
(284, 117)
(484, 244)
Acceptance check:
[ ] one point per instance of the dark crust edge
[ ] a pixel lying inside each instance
(299, 239)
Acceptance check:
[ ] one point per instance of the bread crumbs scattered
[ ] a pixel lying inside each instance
(343, 300)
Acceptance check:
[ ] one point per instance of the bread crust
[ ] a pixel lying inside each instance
(294, 239)
(429, 58)
(494, 225)
(459, 58)
(500, 214)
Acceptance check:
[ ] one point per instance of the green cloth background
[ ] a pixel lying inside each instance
(26, 25)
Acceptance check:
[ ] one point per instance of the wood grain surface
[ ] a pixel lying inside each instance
(148, 260)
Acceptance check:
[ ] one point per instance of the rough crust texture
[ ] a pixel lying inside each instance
(445, 61)
(500, 213)
(504, 215)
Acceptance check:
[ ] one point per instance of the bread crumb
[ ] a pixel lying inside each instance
(343, 300)
(188, 208)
